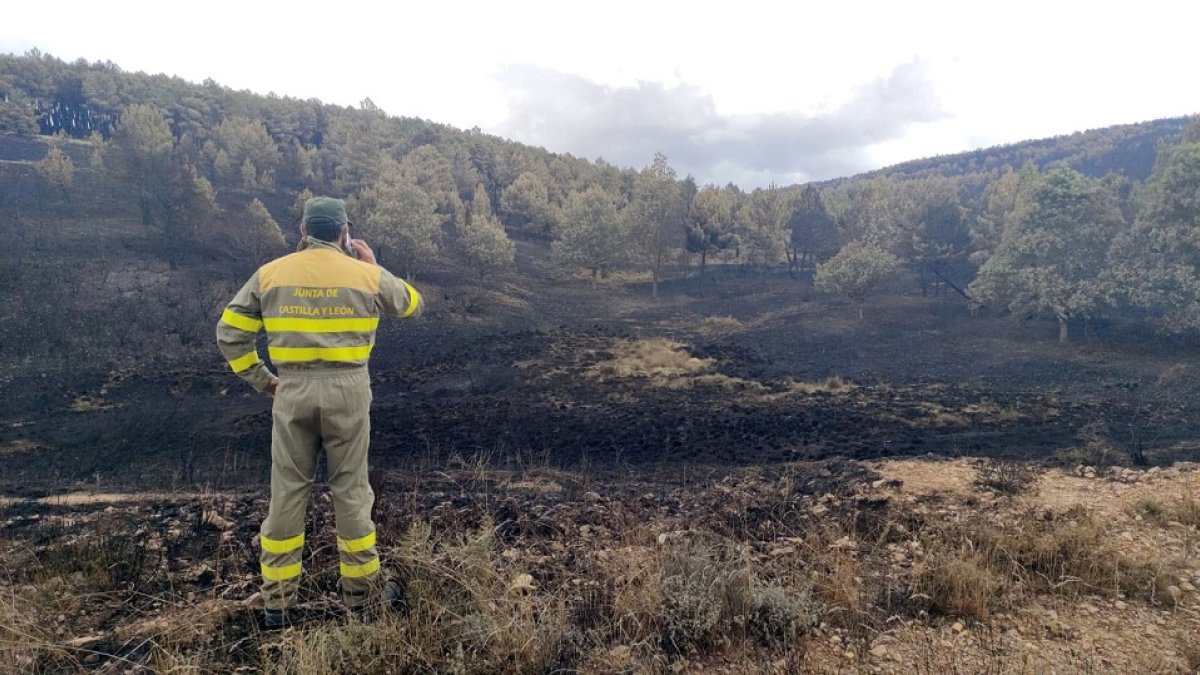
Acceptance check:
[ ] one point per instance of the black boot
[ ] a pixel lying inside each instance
(275, 619)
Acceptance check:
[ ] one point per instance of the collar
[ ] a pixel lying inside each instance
(311, 242)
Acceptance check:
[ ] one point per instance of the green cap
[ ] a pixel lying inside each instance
(325, 210)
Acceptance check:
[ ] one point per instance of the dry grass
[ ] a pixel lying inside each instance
(750, 570)
(1184, 510)
(654, 358)
(1007, 477)
(719, 325)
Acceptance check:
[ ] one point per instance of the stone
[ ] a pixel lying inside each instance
(592, 497)
(216, 520)
(958, 627)
(521, 583)
(879, 651)
(85, 642)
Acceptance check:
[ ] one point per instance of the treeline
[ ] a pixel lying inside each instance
(207, 164)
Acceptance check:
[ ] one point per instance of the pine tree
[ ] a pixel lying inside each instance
(592, 235)
(484, 242)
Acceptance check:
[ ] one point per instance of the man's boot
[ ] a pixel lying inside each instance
(275, 619)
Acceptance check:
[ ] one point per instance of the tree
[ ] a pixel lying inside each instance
(1156, 266)
(814, 232)
(170, 191)
(1053, 259)
(875, 213)
(655, 217)
(255, 235)
(855, 271)
(1003, 198)
(429, 169)
(710, 225)
(763, 228)
(526, 203)
(141, 152)
(57, 169)
(243, 154)
(487, 247)
(400, 217)
(592, 235)
(936, 230)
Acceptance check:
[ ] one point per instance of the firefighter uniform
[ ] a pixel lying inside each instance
(320, 308)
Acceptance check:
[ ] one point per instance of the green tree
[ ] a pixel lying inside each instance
(936, 231)
(763, 231)
(16, 113)
(876, 213)
(431, 171)
(170, 192)
(243, 154)
(855, 271)
(1053, 259)
(483, 240)
(141, 152)
(1156, 266)
(57, 169)
(1003, 198)
(592, 235)
(814, 232)
(526, 203)
(254, 235)
(655, 217)
(400, 220)
(710, 225)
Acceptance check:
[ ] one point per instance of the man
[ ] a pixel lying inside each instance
(320, 308)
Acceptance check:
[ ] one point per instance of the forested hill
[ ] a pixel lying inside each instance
(1127, 150)
(1087, 226)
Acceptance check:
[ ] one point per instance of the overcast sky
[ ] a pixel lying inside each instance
(751, 92)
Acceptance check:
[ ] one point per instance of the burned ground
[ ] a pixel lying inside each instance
(518, 385)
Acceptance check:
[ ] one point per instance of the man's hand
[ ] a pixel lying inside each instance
(269, 390)
(364, 252)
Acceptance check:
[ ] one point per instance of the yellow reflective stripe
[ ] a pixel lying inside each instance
(321, 325)
(282, 545)
(414, 300)
(244, 362)
(319, 353)
(364, 570)
(246, 323)
(356, 545)
(281, 573)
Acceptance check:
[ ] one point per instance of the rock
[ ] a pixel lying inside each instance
(254, 601)
(879, 651)
(1175, 592)
(85, 642)
(521, 583)
(1119, 604)
(215, 519)
(1187, 587)
(592, 497)
(958, 627)
(620, 653)
(819, 510)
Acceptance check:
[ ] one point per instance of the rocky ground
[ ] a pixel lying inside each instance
(901, 565)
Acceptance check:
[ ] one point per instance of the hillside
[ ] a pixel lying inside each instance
(675, 428)
(1127, 150)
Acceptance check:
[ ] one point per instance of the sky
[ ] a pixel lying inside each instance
(750, 92)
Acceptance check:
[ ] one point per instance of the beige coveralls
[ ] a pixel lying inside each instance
(320, 308)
